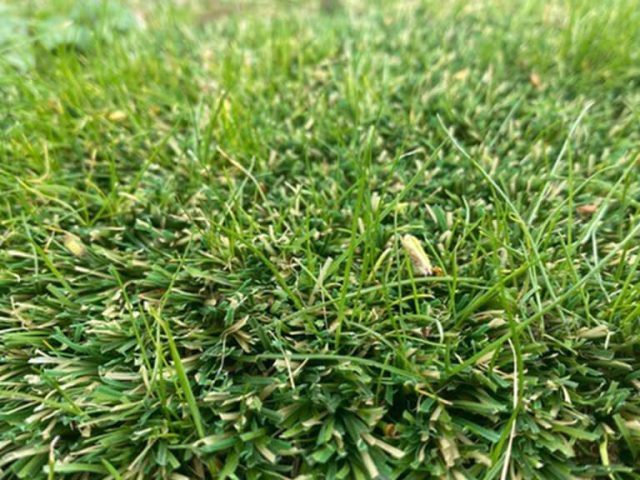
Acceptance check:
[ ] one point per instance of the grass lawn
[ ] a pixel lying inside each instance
(320, 239)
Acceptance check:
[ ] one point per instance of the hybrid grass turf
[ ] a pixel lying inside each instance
(202, 271)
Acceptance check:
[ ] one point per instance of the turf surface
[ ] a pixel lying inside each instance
(218, 220)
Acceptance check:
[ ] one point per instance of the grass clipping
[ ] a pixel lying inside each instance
(419, 258)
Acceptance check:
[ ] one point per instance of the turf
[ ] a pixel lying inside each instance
(218, 222)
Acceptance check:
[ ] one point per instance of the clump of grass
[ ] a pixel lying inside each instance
(202, 266)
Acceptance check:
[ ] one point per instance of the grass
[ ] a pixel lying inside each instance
(204, 263)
